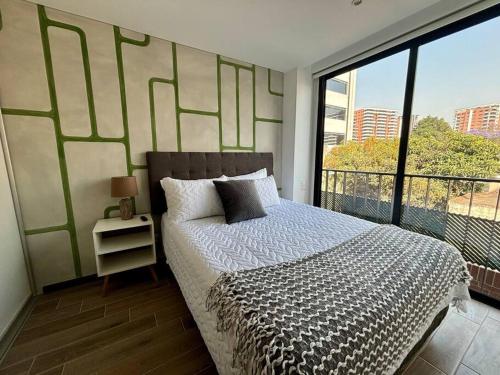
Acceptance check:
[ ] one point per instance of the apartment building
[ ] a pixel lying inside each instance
(480, 118)
(339, 109)
(376, 122)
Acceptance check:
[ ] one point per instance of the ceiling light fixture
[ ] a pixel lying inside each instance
(356, 2)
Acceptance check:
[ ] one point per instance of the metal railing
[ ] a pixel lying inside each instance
(460, 210)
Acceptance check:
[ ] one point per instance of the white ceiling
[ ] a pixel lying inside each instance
(280, 34)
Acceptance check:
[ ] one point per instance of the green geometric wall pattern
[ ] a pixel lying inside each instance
(83, 100)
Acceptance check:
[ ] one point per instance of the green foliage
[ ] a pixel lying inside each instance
(434, 149)
(450, 153)
(373, 155)
(432, 126)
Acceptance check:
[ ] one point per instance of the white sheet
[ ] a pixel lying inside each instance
(199, 250)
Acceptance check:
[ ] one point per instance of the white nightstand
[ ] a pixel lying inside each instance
(121, 245)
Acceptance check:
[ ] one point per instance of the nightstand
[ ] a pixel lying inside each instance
(122, 245)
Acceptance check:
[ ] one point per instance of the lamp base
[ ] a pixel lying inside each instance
(126, 209)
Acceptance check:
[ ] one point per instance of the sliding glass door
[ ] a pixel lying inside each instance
(360, 147)
(413, 138)
(452, 188)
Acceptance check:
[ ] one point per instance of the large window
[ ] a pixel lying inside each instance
(422, 139)
(371, 122)
(453, 150)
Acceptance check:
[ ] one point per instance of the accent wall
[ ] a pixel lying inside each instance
(83, 101)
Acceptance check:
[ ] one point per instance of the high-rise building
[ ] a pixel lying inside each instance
(376, 122)
(481, 118)
(339, 109)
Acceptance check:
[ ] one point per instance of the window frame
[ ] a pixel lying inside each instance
(413, 47)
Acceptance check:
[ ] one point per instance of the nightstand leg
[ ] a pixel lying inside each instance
(105, 285)
(153, 274)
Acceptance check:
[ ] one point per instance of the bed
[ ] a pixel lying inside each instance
(199, 251)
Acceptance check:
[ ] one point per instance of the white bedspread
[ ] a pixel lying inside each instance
(199, 250)
(290, 231)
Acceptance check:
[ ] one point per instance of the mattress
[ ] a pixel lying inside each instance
(199, 250)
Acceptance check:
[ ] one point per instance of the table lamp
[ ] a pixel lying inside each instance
(124, 187)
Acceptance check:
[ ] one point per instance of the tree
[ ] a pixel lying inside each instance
(434, 149)
(372, 155)
(432, 126)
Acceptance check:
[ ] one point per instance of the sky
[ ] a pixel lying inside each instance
(460, 70)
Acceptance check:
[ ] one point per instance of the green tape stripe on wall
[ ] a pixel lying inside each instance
(254, 107)
(237, 93)
(269, 85)
(238, 146)
(219, 102)
(263, 119)
(235, 65)
(119, 39)
(109, 209)
(256, 119)
(55, 228)
(237, 98)
(140, 43)
(70, 226)
(86, 68)
(176, 96)
(27, 112)
(152, 111)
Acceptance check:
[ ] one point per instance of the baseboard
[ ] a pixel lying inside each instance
(15, 326)
(160, 265)
(68, 283)
(484, 299)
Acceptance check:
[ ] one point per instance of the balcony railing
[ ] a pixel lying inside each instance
(460, 210)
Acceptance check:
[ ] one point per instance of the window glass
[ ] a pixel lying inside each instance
(451, 177)
(453, 154)
(334, 112)
(337, 85)
(361, 138)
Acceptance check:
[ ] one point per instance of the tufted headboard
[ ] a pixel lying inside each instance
(195, 165)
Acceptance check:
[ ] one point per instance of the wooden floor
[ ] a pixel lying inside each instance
(141, 329)
(136, 329)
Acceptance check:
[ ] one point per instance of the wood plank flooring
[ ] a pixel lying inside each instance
(136, 329)
(142, 329)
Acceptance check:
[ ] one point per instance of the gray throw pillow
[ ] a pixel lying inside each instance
(240, 200)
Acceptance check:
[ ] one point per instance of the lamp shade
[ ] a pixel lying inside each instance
(123, 186)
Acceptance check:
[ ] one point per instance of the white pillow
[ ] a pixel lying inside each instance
(191, 199)
(261, 173)
(267, 190)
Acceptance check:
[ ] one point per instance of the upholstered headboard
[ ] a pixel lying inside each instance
(195, 165)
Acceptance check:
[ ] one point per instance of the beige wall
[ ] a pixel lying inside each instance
(83, 101)
(14, 284)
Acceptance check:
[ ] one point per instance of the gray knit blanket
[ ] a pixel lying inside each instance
(357, 308)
